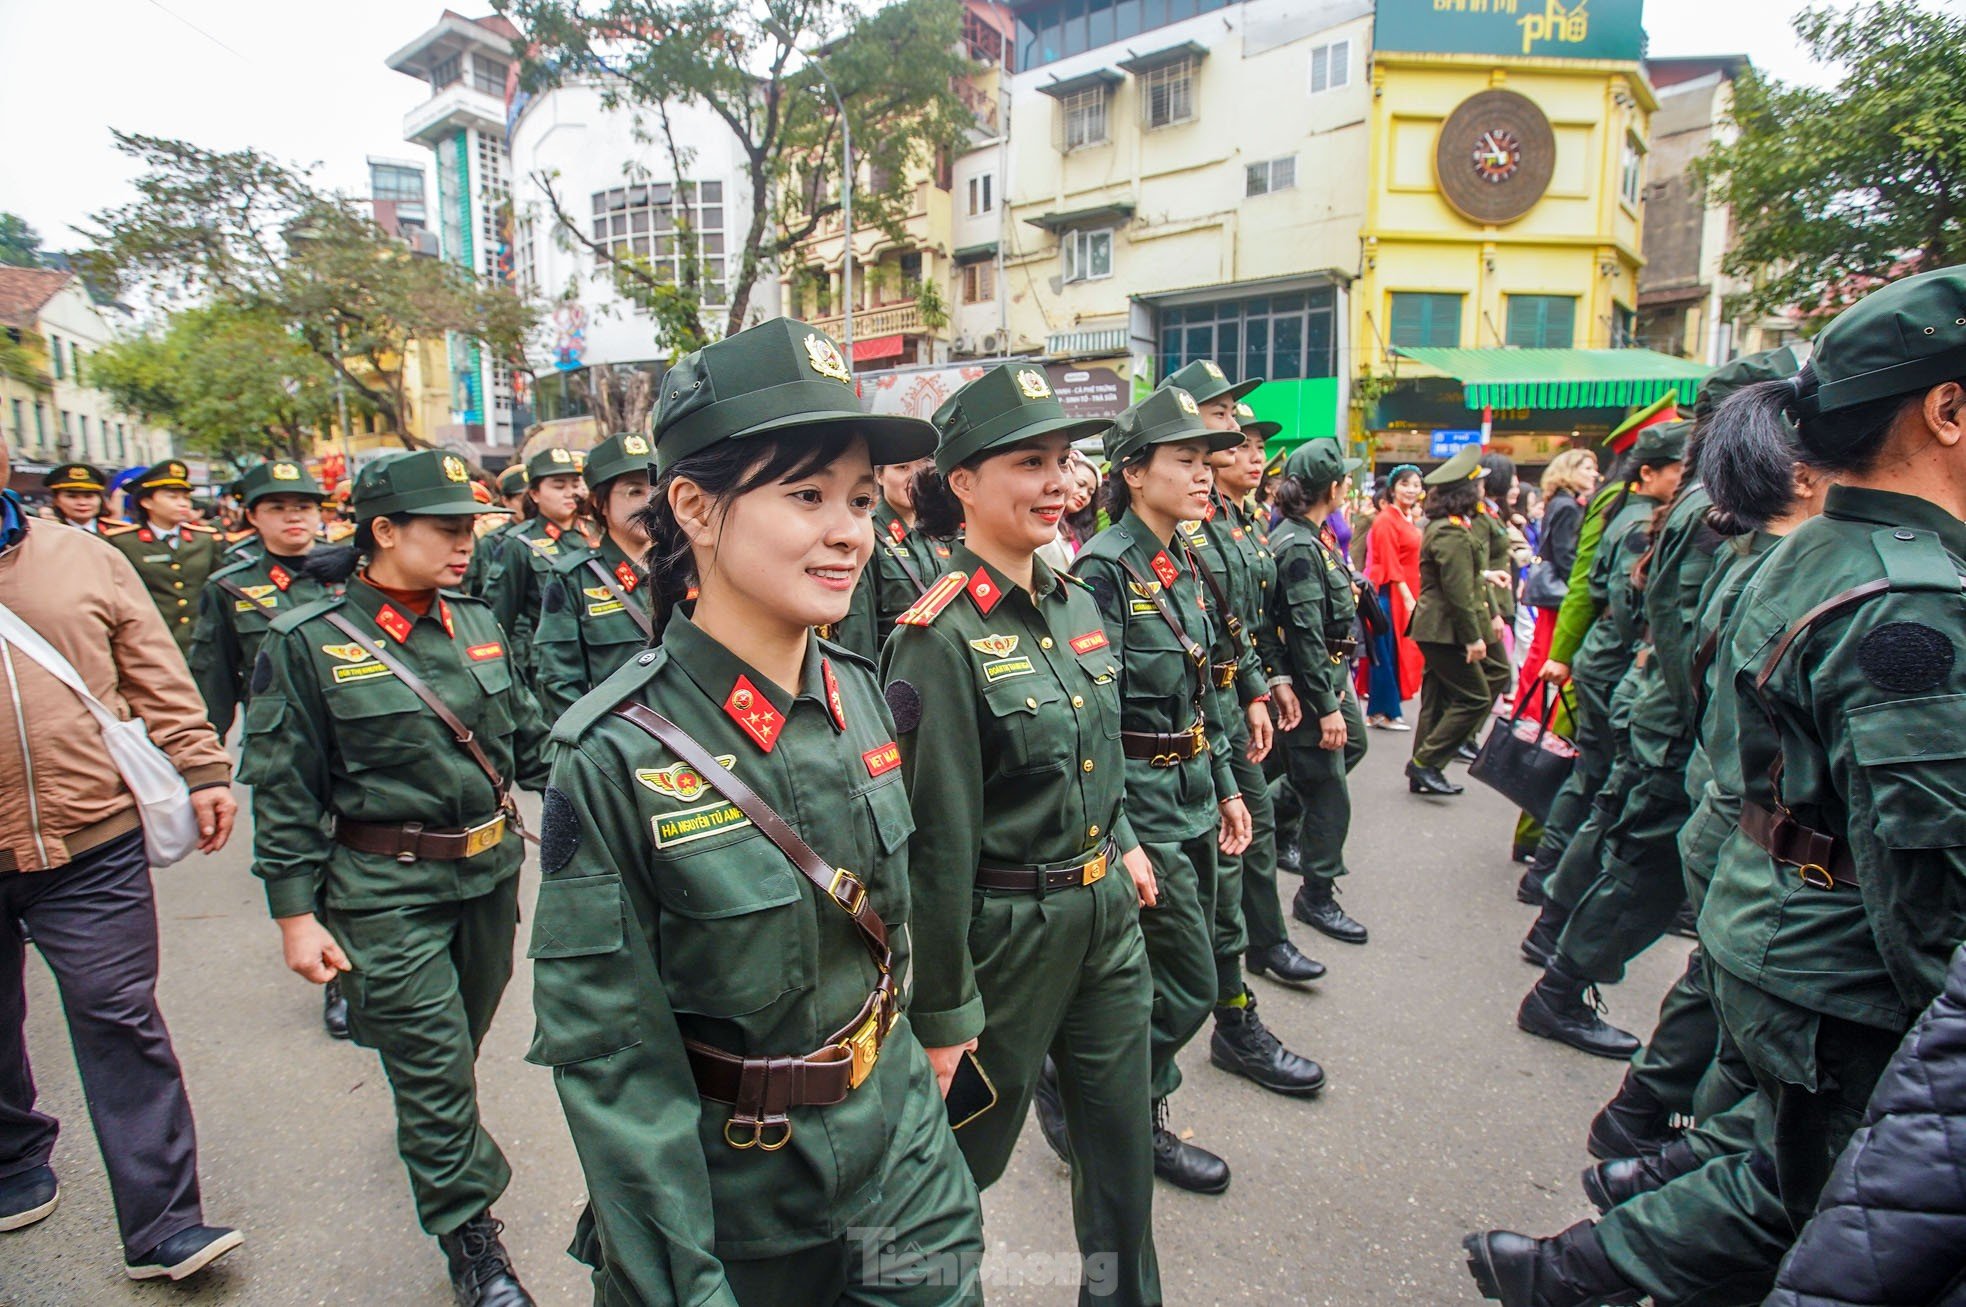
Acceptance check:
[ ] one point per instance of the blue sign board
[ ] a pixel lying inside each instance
(1446, 444)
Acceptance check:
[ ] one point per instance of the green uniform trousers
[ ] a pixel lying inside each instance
(1499, 670)
(1315, 801)
(1638, 886)
(426, 981)
(1453, 700)
(1591, 716)
(1250, 874)
(1679, 1056)
(1179, 932)
(1066, 973)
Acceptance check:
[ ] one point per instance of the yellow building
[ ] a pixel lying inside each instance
(426, 380)
(1501, 249)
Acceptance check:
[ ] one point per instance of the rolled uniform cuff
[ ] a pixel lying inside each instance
(290, 896)
(208, 776)
(958, 1025)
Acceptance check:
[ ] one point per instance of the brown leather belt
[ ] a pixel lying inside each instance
(409, 841)
(1342, 648)
(1821, 860)
(1225, 674)
(1162, 750)
(770, 1087)
(1040, 880)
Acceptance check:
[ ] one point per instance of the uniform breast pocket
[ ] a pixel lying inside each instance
(584, 998)
(1029, 727)
(735, 931)
(1157, 667)
(1102, 696)
(1913, 753)
(378, 724)
(495, 679)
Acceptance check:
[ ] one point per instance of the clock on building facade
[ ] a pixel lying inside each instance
(1495, 157)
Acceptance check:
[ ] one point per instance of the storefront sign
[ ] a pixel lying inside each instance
(1446, 444)
(1087, 392)
(1564, 29)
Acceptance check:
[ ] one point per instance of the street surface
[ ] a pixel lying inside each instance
(1440, 1116)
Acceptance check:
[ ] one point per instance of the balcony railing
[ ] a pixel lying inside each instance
(888, 320)
(456, 106)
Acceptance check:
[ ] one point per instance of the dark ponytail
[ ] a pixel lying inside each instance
(334, 564)
(724, 471)
(1117, 494)
(1749, 453)
(938, 512)
(1757, 417)
(1296, 498)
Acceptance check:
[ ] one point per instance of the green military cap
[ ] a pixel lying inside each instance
(780, 375)
(1320, 462)
(1206, 381)
(1009, 403)
(1254, 426)
(1168, 414)
(171, 474)
(1464, 466)
(278, 477)
(1664, 443)
(1901, 338)
(512, 480)
(555, 462)
(422, 483)
(1769, 365)
(76, 476)
(619, 455)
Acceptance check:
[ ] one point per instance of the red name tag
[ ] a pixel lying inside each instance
(1088, 642)
(477, 653)
(883, 759)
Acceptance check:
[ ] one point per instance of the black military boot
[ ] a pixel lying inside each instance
(1430, 780)
(1530, 889)
(1609, 1183)
(334, 1010)
(1467, 752)
(1242, 1045)
(1316, 905)
(1561, 1007)
(481, 1271)
(1686, 922)
(1182, 1164)
(1283, 962)
(1051, 1111)
(1564, 1270)
(1633, 1123)
(1290, 858)
(1539, 945)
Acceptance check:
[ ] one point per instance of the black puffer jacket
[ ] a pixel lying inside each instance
(1890, 1230)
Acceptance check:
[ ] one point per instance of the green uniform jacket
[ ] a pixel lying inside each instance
(1662, 715)
(1580, 607)
(331, 732)
(1015, 750)
(585, 631)
(1314, 606)
(665, 915)
(527, 556)
(1157, 680)
(904, 565)
(1227, 552)
(1495, 536)
(1451, 608)
(174, 577)
(1867, 713)
(1609, 646)
(485, 555)
(225, 642)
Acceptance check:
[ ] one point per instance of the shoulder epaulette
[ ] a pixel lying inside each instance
(602, 699)
(845, 654)
(201, 529)
(938, 597)
(111, 530)
(339, 532)
(1915, 560)
(1074, 578)
(237, 565)
(294, 617)
(240, 537)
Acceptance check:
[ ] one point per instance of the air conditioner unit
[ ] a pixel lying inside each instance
(963, 344)
(992, 343)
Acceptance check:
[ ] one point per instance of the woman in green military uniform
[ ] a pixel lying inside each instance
(723, 922)
(383, 829)
(906, 562)
(1451, 623)
(527, 554)
(1027, 883)
(1182, 800)
(491, 535)
(594, 616)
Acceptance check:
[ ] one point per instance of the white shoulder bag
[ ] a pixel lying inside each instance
(170, 824)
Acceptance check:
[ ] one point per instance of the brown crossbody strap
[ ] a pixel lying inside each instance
(1197, 655)
(842, 888)
(237, 591)
(637, 611)
(1229, 618)
(894, 551)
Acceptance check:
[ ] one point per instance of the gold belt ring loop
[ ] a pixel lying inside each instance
(1816, 876)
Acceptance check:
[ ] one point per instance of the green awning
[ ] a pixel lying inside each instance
(1563, 378)
(1109, 214)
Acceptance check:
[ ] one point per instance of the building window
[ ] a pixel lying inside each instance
(40, 424)
(20, 410)
(1270, 175)
(1623, 335)
(54, 355)
(1167, 94)
(75, 362)
(1426, 320)
(981, 200)
(67, 425)
(639, 222)
(1057, 30)
(1088, 255)
(1542, 321)
(488, 75)
(981, 41)
(979, 285)
(1633, 175)
(1281, 337)
(445, 71)
(1331, 66)
(1085, 118)
(122, 446)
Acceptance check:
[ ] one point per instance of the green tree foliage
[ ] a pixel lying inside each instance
(20, 244)
(24, 359)
(229, 381)
(1834, 190)
(895, 69)
(244, 231)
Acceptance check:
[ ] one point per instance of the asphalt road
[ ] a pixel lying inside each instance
(1440, 1117)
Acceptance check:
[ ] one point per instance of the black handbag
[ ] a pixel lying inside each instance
(1371, 612)
(1525, 761)
(1544, 588)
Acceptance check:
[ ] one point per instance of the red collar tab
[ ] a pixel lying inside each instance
(984, 591)
(753, 714)
(146, 536)
(280, 576)
(1165, 569)
(444, 616)
(624, 572)
(1208, 514)
(553, 532)
(396, 626)
(833, 701)
(896, 532)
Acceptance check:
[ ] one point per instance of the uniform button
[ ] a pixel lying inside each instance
(1087, 764)
(647, 658)
(177, 585)
(182, 602)
(1077, 702)
(1092, 832)
(1030, 703)
(1906, 535)
(1044, 642)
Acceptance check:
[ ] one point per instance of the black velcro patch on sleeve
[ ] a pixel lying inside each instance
(556, 598)
(1300, 569)
(262, 672)
(904, 701)
(559, 831)
(1906, 657)
(1105, 594)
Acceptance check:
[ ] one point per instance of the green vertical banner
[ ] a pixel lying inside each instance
(1562, 29)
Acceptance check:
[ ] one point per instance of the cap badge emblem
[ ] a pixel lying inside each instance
(1186, 401)
(1208, 366)
(824, 356)
(1033, 384)
(634, 445)
(454, 468)
(285, 472)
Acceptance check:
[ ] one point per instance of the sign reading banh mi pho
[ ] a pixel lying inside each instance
(1564, 29)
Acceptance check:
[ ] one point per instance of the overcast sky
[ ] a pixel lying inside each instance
(306, 83)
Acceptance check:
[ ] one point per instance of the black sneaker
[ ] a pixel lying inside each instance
(185, 1253)
(481, 1269)
(28, 1197)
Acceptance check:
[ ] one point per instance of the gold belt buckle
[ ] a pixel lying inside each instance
(1815, 876)
(486, 836)
(1095, 871)
(864, 1046)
